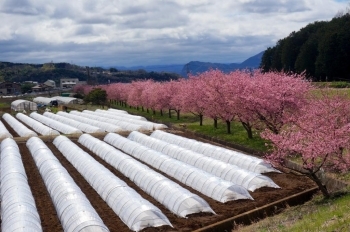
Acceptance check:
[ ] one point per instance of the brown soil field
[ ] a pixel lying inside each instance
(290, 184)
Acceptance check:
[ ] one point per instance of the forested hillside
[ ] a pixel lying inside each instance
(19, 72)
(321, 49)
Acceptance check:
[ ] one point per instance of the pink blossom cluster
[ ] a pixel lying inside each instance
(319, 134)
(281, 105)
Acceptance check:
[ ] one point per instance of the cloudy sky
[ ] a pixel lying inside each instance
(151, 32)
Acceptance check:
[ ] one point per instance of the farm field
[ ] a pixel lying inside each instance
(289, 183)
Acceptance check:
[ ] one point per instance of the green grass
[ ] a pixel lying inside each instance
(331, 92)
(4, 105)
(316, 215)
(238, 134)
(334, 84)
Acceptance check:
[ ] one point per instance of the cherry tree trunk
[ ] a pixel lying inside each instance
(320, 185)
(178, 114)
(169, 113)
(228, 125)
(215, 123)
(201, 120)
(161, 112)
(248, 128)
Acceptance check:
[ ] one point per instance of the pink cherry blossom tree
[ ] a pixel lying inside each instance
(273, 96)
(240, 89)
(135, 93)
(218, 93)
(319, 134)
(193, 96)
(162, 96)
(147, 95)
(173, 89)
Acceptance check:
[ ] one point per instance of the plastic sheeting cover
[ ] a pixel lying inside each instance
(115, 119)
(118, 111)
(20, 105)
(18, 209)
(66, 100)
(206, 183)
(73, 208)
(229, 156)
(105, 126)
(123, 125)
(44, 100)
(128, 118)
(79, 125)
(4, 133)
(37, 126)
(177, 199)
(65, 129)
(121, 114)
(20, 129)
(136, 212)
(247, 179)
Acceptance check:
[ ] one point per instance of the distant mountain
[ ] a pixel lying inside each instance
(196, 67)
(20, 72)
(170, 68)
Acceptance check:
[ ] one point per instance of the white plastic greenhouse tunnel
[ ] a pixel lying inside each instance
(206, 183)
(63, 128)
(20, 105)
(116, 113)
(127, 118)
(248, 162)
(177, 199)
(66, 100)
(79, 125)
(100, 124)
(4, 133)
(44, 100)
(18, 209)
(126, 126)
(37, 126)
(20, 129)
(249, 180)
(156, 126)
(115, 119)
(73, 208)
(136, 212)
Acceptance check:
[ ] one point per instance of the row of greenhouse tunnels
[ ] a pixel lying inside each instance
(107, 170)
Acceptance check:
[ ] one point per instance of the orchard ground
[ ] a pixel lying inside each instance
(317, 215)
(289, 183)
(285, 223)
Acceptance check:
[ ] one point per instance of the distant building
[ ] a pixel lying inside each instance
(70, 82)
(31, 82)
(41, 88)
(9, 88)
(50, 83)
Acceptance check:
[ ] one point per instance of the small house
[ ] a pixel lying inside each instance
(9, 88)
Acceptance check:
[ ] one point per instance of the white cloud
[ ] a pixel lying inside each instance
(143, 32)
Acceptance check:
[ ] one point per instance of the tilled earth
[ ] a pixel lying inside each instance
(290, 184)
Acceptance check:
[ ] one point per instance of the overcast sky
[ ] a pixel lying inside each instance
(150, 32)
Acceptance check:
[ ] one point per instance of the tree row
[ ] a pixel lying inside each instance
(321, 50)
